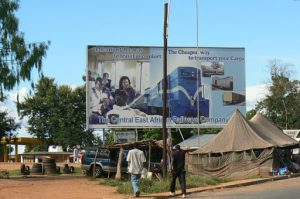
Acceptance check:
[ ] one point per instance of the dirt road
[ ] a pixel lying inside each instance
(66, 187)
(54, 187)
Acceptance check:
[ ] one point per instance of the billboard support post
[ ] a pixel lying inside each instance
(165, 86)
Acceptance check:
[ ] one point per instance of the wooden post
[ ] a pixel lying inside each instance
(94, 167)
(165, 87)
(149, 157)
(5, 152)
(119, 165)
(16, 153)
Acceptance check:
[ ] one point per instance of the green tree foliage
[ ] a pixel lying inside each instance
(156, 134)
(282, 104)
(35, 147)
(150, 134)
(250, 114)
(110, 137)
(7, 125)
(98, 141)
(206, 131)
(7, 128)
(10, 149)
(177, 135)
(57, 114)
(17, 59)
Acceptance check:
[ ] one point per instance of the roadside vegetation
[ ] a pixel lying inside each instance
(155, 186)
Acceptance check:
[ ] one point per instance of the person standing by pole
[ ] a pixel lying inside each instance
(178, 171)
(75, 154)
(136, 160)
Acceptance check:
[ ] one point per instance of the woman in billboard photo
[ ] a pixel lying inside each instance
(125, 94)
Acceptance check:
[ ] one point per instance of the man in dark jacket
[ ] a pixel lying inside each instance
(177, 170)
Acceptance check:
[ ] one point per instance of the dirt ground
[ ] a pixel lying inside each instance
(54, 187)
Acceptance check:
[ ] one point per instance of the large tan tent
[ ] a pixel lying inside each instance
(237, 151)
(237, 135)
(270, 132)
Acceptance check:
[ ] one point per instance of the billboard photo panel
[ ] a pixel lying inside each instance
(125, 86)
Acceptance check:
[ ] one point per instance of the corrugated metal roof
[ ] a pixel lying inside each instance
(196, 141)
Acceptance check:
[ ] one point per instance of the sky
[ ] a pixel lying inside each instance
(267, 29)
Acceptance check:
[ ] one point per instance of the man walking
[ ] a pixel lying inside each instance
(135, 159)
(75, 154)
(177, 170)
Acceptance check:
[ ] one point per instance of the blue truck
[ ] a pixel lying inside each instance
(105, 162)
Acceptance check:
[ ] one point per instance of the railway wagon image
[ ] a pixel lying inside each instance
(212, 68)
(181, 95)
(225, 83)
(232, 98)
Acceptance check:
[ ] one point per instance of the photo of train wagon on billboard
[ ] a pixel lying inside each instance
(125, 86)
(222, 83)
(233, 98)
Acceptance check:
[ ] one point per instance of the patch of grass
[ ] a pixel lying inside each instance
(155, 186)
(112, 183)
(77, 170)
(198, 181)
(254, 177)
(92, 178)
(14, 172)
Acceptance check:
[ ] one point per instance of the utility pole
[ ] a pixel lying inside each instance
(165, 87)
(285, 114)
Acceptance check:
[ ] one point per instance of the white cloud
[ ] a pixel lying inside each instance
(73, 86)
(255, 94)
(9, 106)
(23, 92)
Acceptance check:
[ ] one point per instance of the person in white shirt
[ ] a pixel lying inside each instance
(96, 93)
(101, 102)
(136, 160)
(75, 154)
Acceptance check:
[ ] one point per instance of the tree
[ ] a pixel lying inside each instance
(10, 149)
(41, 110)
(156, 134)
(282, 104)
(7, 128)
(7, 125)
(147, 134)
(206, 131)
(110, 137)
(17, 59)
(250, 114)
(57, 114)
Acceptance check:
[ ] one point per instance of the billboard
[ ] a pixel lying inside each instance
(125, 137)
(125, 86)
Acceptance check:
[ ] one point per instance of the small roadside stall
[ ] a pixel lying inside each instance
(151, 148)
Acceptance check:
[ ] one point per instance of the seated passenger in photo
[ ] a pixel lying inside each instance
(106, 104)
(125, 91)
(106, 81)
(101, 102)
(90, 77)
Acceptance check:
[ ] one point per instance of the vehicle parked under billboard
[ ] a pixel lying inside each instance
(125, 86)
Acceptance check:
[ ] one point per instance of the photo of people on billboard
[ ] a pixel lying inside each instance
(125, 86)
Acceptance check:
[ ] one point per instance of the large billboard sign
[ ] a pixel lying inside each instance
(125, 86)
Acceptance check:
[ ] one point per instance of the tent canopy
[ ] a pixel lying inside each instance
(271, 133)
(237, 135)
(235, 143)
